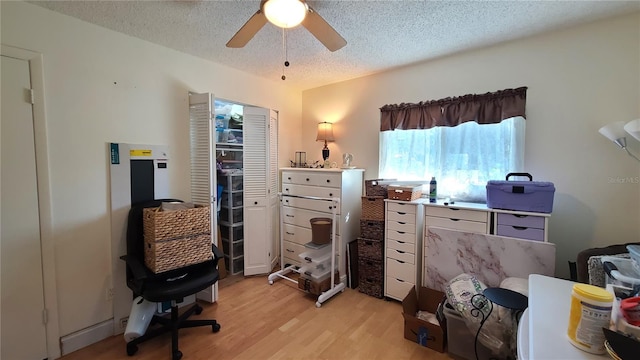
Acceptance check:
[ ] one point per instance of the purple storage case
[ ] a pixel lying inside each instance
(533, 196)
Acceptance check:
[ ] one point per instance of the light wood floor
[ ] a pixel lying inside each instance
(262, 321)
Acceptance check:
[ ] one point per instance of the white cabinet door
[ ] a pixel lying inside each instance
(258, 198)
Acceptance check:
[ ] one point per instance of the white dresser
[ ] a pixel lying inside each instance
(297, 212)
(478, 218)
(403, 247)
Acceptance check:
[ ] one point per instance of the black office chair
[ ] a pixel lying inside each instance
(173, 285)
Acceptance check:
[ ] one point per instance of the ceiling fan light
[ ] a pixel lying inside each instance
(285, 13)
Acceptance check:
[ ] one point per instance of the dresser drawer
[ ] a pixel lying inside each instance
(296, 234)
(408, 247)
(300, 217)
(401, 270)
(461, 225)
(402, 227)
(292, 261)
(397, 289)
(315, 179)
(292, 250)
(407, 218)
(317, 191)
(401, 236)
(456, 213)
(406, 208)
(521, 232)
(407, 257)
(529, 221)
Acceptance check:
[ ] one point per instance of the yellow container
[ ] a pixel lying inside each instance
(590, 312)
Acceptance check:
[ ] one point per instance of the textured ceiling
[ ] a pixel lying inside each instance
(380, 34)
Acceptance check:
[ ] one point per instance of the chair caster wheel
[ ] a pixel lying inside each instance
(132, 349)
(177, 355)
(215, 328)
(198, 310)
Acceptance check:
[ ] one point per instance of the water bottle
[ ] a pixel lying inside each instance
(433, 190)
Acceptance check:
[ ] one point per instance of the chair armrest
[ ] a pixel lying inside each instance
(138, 269)
(217, 254)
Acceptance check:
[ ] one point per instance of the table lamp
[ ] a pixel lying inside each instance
(325, 133)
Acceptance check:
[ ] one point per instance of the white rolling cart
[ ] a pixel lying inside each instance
(282, 273)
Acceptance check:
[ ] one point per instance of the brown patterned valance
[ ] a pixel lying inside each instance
(489, 108)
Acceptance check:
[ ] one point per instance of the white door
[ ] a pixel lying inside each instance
(22, 315)
(257, 226)
(203, 174)
(274, 207)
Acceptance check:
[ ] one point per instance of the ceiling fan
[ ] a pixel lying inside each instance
(287, 14)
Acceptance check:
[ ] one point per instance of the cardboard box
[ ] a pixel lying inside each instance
(420, 331)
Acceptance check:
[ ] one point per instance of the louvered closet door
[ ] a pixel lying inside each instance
(257, 232)
(203, 177)
(273, 189)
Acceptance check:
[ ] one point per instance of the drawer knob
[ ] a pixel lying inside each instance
(255, 203)
(289, 215)
(330, 194)
(401, 222)
(401, 232)
(289, 250)
(289, 178)
(328, 181)
(402, 213)
(290, 233)
(307, 179)
(454, 219)
(330, 207)
(400, 280)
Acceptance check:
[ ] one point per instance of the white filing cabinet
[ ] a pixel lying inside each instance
(345, 184)
(403, 247)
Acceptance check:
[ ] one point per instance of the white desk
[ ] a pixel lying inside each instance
(548, 319)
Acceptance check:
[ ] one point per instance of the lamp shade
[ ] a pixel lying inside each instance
(613, 131)
(633, 128)
(285, 13)
(325, 132)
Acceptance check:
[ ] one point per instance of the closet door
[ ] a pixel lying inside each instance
(274, 207)
(257, 224)
(203, 175)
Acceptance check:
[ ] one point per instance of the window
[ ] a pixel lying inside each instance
(462, 158)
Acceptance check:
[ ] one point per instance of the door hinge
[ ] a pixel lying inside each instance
(32, 98)
(45, 316)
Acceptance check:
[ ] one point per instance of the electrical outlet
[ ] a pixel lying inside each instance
(123, 322)
(110, 294)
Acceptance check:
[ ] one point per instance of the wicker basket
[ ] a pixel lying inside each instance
(161, 256)
(175, 239)
(167, 225)
(372, 208)
(370, 249)
(405, 193)
(377, 187)
(372, 229)
(371, 273)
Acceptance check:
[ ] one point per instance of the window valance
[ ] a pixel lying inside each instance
(489, 108)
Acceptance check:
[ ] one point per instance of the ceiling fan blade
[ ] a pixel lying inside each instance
(248, 30)
(321, 29)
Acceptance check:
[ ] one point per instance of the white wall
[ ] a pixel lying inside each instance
(102, 86)
(578, 80)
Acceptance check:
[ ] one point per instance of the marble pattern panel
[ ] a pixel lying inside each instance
(491, 258)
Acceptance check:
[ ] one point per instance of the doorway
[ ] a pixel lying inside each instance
(29, 303)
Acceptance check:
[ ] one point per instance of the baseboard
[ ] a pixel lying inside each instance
(86, 337)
